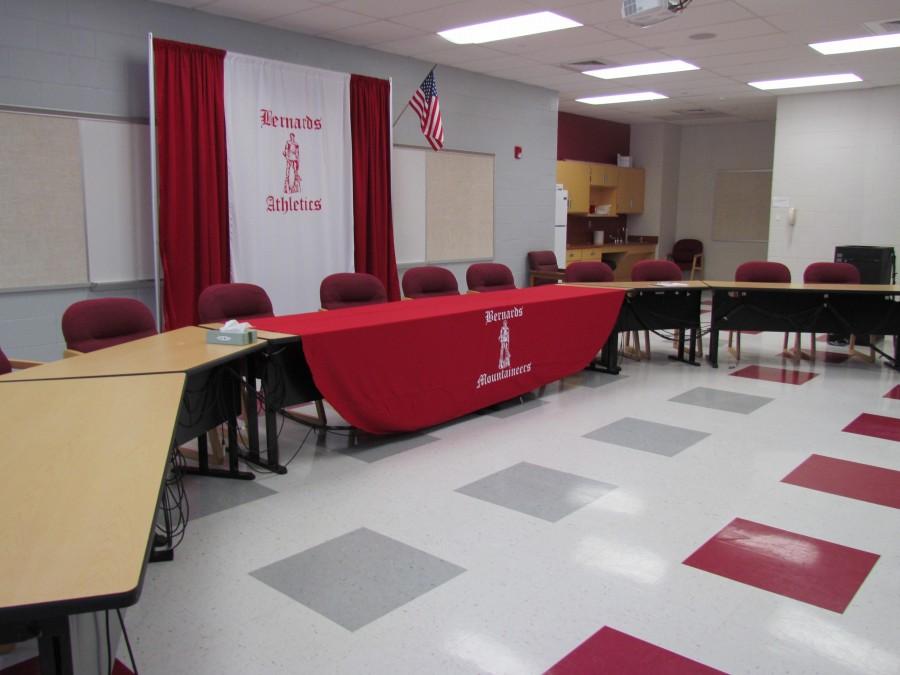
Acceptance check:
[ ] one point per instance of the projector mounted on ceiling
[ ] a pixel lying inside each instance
(648, 12)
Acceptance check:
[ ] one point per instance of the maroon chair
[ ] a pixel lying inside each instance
(655, 270)
(428, 282)
(651, 270)
(832, 273)
(89, 325)
(588, 272)
(759, 271)
(487, 277)
(221, 302)
(763, 271)
(8, 365)
(544, 264)
(351, 289)
(688, 255)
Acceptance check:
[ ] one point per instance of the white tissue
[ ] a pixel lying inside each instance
(233, 326)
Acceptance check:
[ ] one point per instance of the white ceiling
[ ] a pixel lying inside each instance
(753, 40)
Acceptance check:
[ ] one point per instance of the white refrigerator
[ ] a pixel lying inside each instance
(559, 225)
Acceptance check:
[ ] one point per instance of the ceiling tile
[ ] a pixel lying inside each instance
(455, 14)
(734, 30)
(259, 11)
(387, 10)
(554, 40)
(320, 19)
(415, 46)
(369, 34)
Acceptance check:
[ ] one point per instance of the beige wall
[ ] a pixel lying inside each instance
(837, 162)
(706, 150)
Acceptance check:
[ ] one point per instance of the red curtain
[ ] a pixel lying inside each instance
(193, 175)
(373, 227)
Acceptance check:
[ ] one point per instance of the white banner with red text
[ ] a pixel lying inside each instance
(290, 177)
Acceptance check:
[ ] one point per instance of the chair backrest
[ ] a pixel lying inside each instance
(351, 289)
(429, 281)
(655, 270)
(542, 261)
(485, 277)
(763, 271)
(89, 325)
(830, 273)
(221, 302)
(588, 271)
(5, 366)
(684, 250)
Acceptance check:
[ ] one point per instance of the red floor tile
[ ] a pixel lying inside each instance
(893, 393)
(848, 479)
(815, 571)
(775, 374)
(878, 426)
(613, 652)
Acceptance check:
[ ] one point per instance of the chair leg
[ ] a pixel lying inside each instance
(736, 350)
(868, 358)
(632, 352)
(646, 344)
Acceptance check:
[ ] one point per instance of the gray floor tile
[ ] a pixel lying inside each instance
(211, 495)
(373, 448)
(594, 379)
(357, 577)
(514, 407)
(661, 439)
(537, 491)
(720, 399)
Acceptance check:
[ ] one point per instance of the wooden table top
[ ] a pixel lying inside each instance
(643, 285)
(84, 461)
(845, 288)
(179, 351)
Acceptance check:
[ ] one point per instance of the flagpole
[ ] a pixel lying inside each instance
(410, 98)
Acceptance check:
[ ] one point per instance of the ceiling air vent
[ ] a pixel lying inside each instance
(691, 114)
(590, 64)
(884, 27)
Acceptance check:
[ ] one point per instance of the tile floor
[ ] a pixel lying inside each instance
(669, 519)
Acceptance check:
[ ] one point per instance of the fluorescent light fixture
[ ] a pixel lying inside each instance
(503, 29)
(815, 81)
(863, 44)
(642, 69)
(622, 98)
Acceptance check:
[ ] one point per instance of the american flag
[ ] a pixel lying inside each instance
(425, 103)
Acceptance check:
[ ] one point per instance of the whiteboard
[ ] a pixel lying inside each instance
(443, 205)
(42, 239)
(115, 158)
(742, 205)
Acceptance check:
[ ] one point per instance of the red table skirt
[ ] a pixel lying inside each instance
(408, 365)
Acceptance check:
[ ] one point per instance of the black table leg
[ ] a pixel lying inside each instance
(609, 356)
(55, 647)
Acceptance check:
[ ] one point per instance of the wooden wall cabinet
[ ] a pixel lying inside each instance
(630, 191)
(576, 177)
(604, 175)
(601, 184)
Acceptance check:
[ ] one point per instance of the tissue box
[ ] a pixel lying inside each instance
(218, 337)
